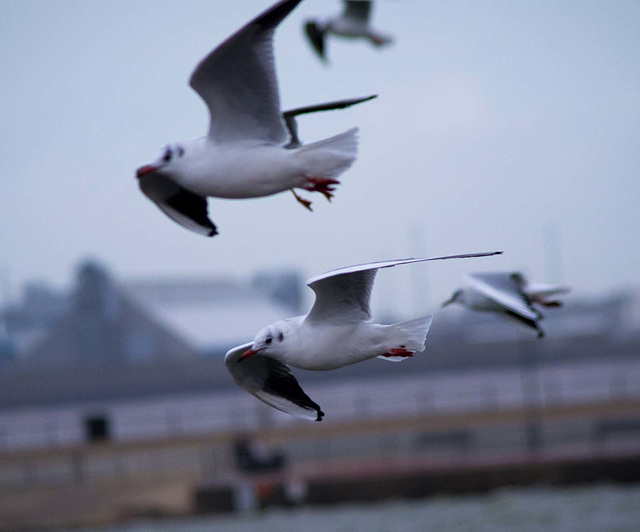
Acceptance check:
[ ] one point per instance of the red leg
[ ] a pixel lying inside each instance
(304, 202)
(321, 184)
(398, 352)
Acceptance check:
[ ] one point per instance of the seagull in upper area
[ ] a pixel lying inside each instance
(508, 294)
(246, 153)
(353, 22)
(338, 331)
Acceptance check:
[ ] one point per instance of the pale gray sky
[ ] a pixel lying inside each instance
(496, 119)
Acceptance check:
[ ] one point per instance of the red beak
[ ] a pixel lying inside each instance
(146, 170)
(248, 353)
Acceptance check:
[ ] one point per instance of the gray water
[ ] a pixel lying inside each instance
(600, 508)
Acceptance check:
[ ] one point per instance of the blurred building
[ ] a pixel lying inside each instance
(105, 321)
(105, 385)
(215, 314)
(95, 324)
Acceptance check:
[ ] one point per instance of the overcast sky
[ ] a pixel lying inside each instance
(497, 123)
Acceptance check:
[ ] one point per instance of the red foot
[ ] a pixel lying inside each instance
(399, 352)
(304, 202)
(322, 185)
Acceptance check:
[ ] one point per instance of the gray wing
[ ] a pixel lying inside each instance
(507, 291)
(290, 116)
(343, 297)
(359, 10)
(272, 382)
(182, 206)
(237, 81)
(344, 294)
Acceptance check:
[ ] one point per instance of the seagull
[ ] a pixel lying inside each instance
(338, 331)
(244, 154)
(508, 294)
(353, 22)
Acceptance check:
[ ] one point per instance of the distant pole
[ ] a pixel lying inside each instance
(5, 286)
(530, 384)
(5, 292)
(552, 253)
(419, 277)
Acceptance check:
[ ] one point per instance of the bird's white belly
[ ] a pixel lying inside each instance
(238, 172)
(348, 28)
(330, 347)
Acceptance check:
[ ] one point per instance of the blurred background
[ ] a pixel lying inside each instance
(499, 125)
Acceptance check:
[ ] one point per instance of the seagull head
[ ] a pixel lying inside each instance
(170, 158)
(269, 341)
(456, 297)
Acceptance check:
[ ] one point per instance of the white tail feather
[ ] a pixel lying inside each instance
(330, 157)
(411, 335)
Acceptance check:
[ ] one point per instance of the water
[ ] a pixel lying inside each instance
(600, 508)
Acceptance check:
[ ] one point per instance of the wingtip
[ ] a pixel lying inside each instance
(272, 16)
(320, 415)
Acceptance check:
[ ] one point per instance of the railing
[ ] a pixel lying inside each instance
(354, 400)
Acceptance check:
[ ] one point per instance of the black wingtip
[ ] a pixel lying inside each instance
(316, 38)
(275, 14)
(320, 415)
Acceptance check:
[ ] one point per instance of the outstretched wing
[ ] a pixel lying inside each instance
(290, 116)
(272, 382)
(507, 291)
(182, 206)
(237, 81)
(344, 294)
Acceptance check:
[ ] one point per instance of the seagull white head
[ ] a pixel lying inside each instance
(168, 162)
(269, 341)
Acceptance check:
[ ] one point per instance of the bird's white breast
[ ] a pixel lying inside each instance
(240, 170)
(329, 346)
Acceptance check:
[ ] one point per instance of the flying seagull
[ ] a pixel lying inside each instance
(338, 331)
(353, 23)
(508, 294)
(245, 153)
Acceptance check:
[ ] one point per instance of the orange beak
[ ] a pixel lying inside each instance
(146, 170)
(248, 353)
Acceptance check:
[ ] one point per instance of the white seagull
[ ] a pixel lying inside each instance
(353, 23)
(245, 153)
(508, 294)
(338, 331)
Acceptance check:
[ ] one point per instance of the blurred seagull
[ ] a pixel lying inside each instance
(338, 331)
(353, 22)
(245, 153)
(509, 295)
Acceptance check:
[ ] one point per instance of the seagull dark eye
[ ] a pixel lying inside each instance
(268, 340)
(280, 337)
(167, 155)
(180, 151)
